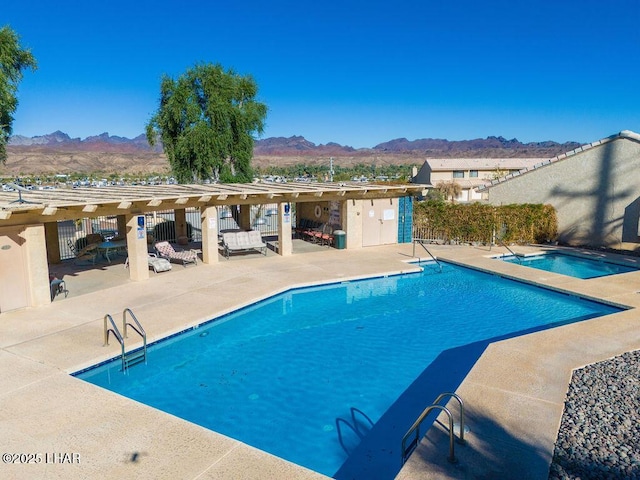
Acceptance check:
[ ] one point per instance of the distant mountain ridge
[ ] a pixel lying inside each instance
(103, 143)
(299, 146)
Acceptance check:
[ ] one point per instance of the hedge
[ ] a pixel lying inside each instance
(482, 223)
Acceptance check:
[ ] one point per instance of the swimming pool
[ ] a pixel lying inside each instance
(332, 377)
(571, 265)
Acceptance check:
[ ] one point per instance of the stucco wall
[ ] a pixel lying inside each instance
(596, 193)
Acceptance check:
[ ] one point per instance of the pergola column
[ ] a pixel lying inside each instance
(285, 242)
(209, 218)
(181, 223)
(36, 265)
(52, 241)
(244, 218)
(137, 247)
(122, 225)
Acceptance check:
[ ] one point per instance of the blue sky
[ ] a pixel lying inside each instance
(354, 72)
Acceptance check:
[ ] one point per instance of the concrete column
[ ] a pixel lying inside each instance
(122, 225)
(351, 216)
(137, 247)
(209, 217)
(285, 242)
(36, 265)
(52, 241)
(244, 219)
(181, 223)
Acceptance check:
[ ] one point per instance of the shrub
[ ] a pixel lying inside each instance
(483, 223)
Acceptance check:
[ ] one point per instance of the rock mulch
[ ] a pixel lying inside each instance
(599, 436)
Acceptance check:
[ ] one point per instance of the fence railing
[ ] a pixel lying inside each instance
(263, 218)
(422, 231)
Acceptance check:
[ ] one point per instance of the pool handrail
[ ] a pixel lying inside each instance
(116, 333)
(134, 356)
(421, 242)
(415, 428)
(517, 257)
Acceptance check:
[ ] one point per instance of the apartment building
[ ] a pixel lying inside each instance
(469, 173)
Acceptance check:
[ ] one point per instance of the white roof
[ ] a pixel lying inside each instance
(448, 164)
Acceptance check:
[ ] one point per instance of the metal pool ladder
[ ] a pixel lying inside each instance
(421, 242)
(414, 432)
(134, 356)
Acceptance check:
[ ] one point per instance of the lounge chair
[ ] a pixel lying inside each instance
(242, 242)
(156, 263)
(88, 253)
(166, 250)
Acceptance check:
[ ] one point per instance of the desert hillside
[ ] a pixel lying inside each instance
(57, 153)
(41, 161)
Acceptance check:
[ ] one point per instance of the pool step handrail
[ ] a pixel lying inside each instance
(139, 355)
(116, 333)
(511, 251)
(421, 242)
(134, 356)
(414, 432)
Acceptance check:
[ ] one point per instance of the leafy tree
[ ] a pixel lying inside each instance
(206, 121)
(450, 190)
(13, 60)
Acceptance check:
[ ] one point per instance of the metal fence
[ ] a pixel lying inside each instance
(429, 234)
(73, 233)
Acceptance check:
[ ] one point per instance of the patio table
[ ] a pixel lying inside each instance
(109, 247)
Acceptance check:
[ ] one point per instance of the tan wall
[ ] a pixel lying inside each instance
(308, 211)
(437, 177)
(352, 222)
(24, 272)
(596, 193)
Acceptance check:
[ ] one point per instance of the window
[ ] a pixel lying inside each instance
(458, 174)
(473, 174)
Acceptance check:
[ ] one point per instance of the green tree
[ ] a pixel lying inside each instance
(206, 121)
(450, 190)
(13, 60)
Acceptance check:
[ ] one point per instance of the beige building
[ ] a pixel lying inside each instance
(595, 190)
(469, 173)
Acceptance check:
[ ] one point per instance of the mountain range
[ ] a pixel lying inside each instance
(495, 147)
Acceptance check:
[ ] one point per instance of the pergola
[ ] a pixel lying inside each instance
(28, 218)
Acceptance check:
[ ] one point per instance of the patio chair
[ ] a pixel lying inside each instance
(326, 238)
(315, 234)
(58, 287)
(165, 250)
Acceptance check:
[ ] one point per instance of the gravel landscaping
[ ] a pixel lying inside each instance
(599, 436)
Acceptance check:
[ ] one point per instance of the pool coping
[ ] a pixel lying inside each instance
(124, 437)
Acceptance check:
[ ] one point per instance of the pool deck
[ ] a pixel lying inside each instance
(514, 393)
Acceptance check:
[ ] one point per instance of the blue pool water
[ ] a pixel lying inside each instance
(571, 265)
(332, 377)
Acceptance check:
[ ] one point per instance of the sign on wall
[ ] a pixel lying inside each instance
(334, 213)
(141, 232)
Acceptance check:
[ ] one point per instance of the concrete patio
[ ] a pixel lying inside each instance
(514, 393)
